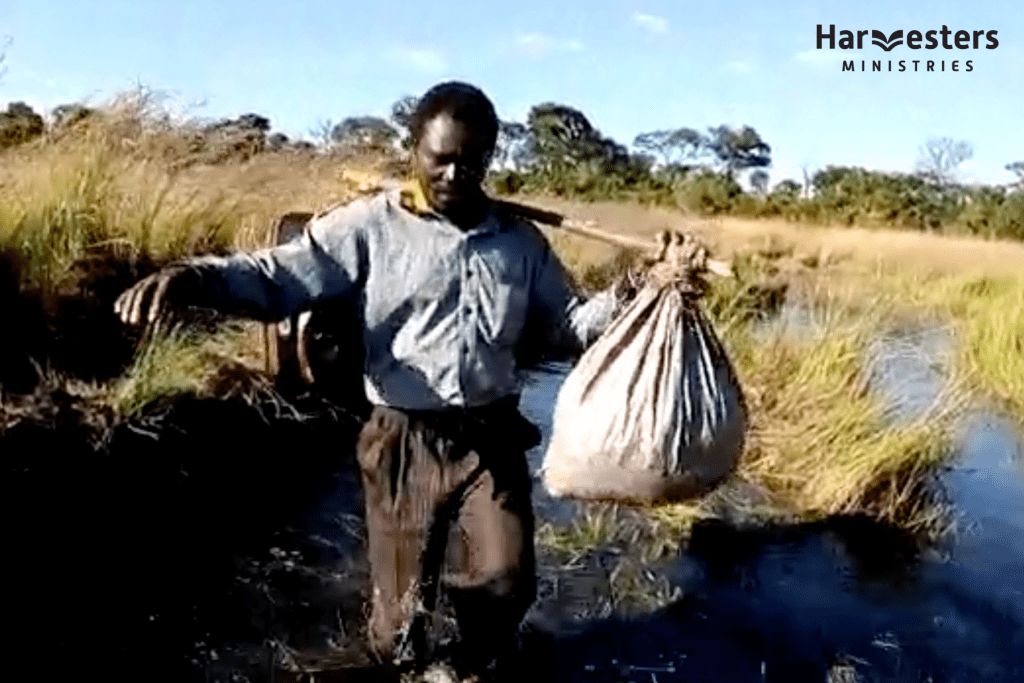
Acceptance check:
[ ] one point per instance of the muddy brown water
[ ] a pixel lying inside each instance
(217, 542)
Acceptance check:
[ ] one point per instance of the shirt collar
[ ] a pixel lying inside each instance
(413, 200)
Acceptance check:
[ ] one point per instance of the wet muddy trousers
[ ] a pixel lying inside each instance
(447, 511)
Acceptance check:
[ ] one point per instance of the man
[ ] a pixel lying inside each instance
(450, 295)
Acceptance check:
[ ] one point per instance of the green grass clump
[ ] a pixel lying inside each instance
(821, 440)
(989, 315)
(185, 361)
(986, 314)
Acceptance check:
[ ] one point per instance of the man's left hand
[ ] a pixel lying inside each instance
(680, 259)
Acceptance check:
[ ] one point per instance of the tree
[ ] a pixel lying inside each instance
(738, 148)
(401, 117)
(939, 158)
(252, 122)
(788, 188)
(672, 147)
(807, 182)
(65, 115)
(321, 132)
(564, 137)
(364, 133)
(784, 199)
(515, 147)
(1018, 168)
(19, 124)
(759, 181)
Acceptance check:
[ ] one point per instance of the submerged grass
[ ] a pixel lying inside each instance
(821, 440)
(986, 313)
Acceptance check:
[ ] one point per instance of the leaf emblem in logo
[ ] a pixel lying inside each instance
(878, 38)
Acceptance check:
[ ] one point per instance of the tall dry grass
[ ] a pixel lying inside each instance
(130, 177)
(822, 440)
(130, 184)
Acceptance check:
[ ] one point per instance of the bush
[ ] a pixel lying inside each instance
(19, 124)
(749, 206)
(66, 115)
(1009, 221)
(710, 192)
(980, 210)
(507, 182)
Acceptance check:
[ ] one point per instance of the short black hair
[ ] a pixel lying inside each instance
(463, 102)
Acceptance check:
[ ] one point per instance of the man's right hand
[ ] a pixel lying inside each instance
(173, 287)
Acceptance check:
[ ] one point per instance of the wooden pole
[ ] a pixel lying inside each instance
(590, 229)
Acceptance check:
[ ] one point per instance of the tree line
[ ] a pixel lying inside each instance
(559, 151)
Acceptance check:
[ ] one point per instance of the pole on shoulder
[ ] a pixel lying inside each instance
(590, 229)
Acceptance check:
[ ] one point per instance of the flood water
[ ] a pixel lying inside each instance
(845, 596)
(840, 600)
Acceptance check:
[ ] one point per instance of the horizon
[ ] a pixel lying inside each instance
(629, 67)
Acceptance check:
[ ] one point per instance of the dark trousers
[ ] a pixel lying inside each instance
(447, 505)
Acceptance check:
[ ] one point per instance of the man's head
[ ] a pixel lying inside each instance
(454, 129)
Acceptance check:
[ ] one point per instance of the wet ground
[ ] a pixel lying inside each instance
(236, 539)
(845, 596)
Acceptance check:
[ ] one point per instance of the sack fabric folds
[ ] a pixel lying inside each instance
(652, 411)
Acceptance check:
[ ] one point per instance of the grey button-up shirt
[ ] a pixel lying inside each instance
(444, 310)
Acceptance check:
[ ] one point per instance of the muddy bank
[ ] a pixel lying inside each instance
(139, 548)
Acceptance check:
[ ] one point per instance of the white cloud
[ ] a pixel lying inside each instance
(422, 59)
(649, 22)
(739, 67)
(542, 45)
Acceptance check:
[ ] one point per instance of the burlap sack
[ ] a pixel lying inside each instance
(652, 411)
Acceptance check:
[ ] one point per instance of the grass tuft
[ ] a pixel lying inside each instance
(185, 361)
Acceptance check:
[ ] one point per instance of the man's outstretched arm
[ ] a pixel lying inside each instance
(328, 261)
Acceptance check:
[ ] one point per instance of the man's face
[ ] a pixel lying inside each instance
(450, 162)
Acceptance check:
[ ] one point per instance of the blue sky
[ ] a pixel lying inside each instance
(630, 65)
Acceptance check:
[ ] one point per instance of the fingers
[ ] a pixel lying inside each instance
(683, 249)
(143, 298)
(159, 296)
(664, 240)
(144, 301)
(129, 304)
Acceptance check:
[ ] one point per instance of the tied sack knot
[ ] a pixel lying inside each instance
(681, 261)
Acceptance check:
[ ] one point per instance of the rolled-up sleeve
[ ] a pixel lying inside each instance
(328, 261)
(570, 321)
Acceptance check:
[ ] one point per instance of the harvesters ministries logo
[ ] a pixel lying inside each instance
(957, 48)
